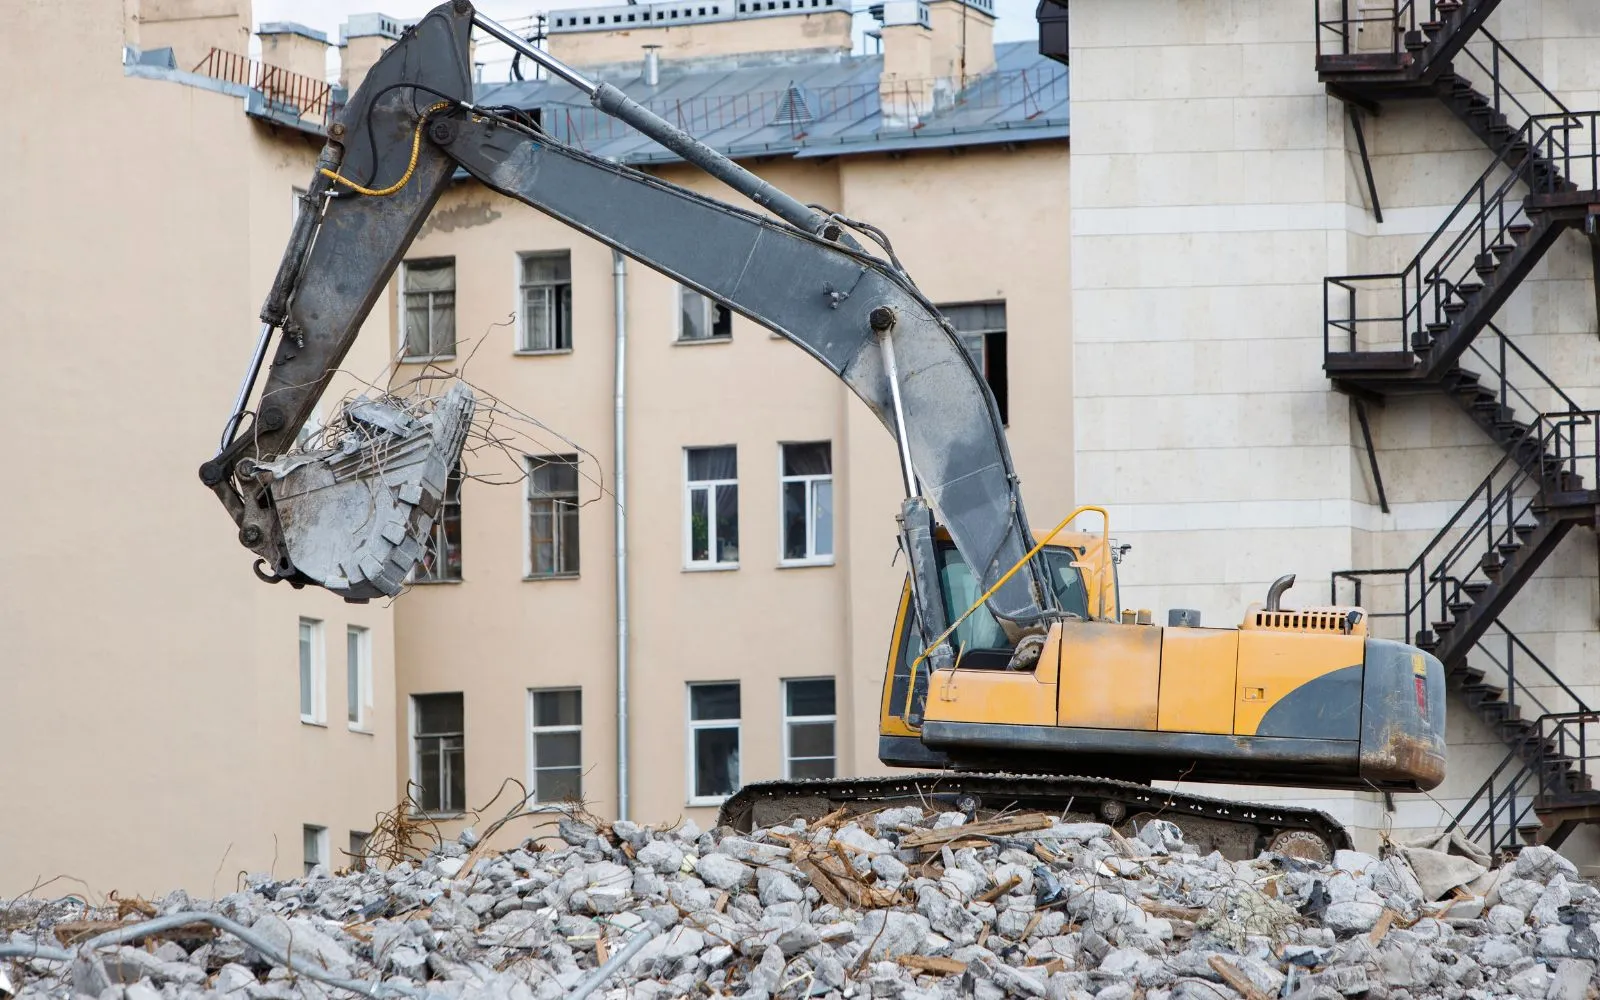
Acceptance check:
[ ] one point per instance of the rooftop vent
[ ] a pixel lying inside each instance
(793, 109)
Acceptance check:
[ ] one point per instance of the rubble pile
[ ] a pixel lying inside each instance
(898, 903)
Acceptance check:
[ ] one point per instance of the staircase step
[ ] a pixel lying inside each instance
(1467, 675)
(1508, 549)
(1415, 42)
(1459, 608)
(1425, 639)
(1475, 587)
(1485, 264)
(1421, 342)
(1453, 307)
(1440, 628)
(1524, 530)
(1502, 250)
(1491, 563)
(1467, 288)
(1519, 229)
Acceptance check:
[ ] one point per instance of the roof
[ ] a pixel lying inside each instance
(808, 109)
(292, 28)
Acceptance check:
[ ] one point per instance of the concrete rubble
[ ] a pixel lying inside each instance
(898, 903)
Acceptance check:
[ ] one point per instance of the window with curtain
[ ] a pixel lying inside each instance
(546, 302)
(552, 515)
(429, 320)
(714, 742)
(981, 328)
(699, 318)
(557, 745)
(807, 485)
(712, 531)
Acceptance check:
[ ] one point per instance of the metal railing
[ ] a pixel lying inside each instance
(1392, 310)
(1567, 734)
(1497, 355)
(1502, 805)
(295, 94)
(798, 109)
(1459, 556)
(1346, 28)
(1513, 89)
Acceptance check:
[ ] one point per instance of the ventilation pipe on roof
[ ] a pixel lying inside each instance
(652, 66)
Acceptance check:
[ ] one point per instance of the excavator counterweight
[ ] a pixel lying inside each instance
(1010, 662)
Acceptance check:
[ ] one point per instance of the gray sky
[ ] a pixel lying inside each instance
(1015, 19)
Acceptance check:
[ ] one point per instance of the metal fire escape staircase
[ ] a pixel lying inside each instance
(1429, 329)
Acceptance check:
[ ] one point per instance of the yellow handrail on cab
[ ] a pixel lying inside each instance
(1106, 523)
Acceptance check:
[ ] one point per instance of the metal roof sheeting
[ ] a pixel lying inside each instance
(810, 109)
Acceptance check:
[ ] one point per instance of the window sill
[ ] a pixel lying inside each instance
(436, 815)
(363, 730)
(542, 577)
(429, 583)
(705, 801)
(710, 567)
(805, 563)
(702, 340)
(313, 722)
(427, 359)
(523, 353)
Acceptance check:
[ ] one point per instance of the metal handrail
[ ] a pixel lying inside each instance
(305, 97)
(1340, 27)
(1488, 518)
(1424, 282)
(1501, 834)
(1508, 350)
(1508, 667)
(1497, 51)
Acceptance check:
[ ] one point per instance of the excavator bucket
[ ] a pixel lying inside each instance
(356, 516)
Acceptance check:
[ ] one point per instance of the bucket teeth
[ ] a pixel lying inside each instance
(355, 517)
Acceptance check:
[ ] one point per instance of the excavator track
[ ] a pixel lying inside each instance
(1236, 829)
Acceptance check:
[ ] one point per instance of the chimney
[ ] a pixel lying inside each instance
(362, 39)
(652, 66)
(905, 87)
(963, 39)
(191, 28)
(294, 47)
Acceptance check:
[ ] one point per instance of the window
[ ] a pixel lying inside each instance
(358, 677)
(429, 319)
(441, 556)
(313, 676)
(555, 751)
(713, 506)
(699, 318)
(713, 742)
(552, 515)
(546, 302)
(808, 724)
(807, 486)
(439, 741)
(981, 328)
(359, 861)
(316, 846)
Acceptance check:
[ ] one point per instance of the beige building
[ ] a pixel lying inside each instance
(1159, 349)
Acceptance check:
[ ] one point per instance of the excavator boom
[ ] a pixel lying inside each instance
(800, 275)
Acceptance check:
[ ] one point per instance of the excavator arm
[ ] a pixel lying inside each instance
(800, 275)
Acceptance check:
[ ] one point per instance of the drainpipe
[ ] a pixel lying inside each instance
(652, 66)
(619, 281)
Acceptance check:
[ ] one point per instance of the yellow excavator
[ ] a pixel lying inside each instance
(1011, 665)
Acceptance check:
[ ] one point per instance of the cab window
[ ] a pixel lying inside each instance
(961, 589)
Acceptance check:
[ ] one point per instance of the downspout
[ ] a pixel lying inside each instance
(619, 281)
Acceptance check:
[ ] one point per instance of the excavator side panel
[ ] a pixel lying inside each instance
(1299, 684)
(1110, 675)
(1198, 666)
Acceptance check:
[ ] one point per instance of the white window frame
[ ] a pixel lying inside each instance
(533, 757)
(693, 725)
(317, 835)
(523, 332)
(416, 757)
(528, 498)
(783, 711)
(705, 316)
(317, 675)
(450, 355)
(811, 558)
(362, 723)
(710, 564)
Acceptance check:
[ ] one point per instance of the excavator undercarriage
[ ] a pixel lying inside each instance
(1236, 829)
